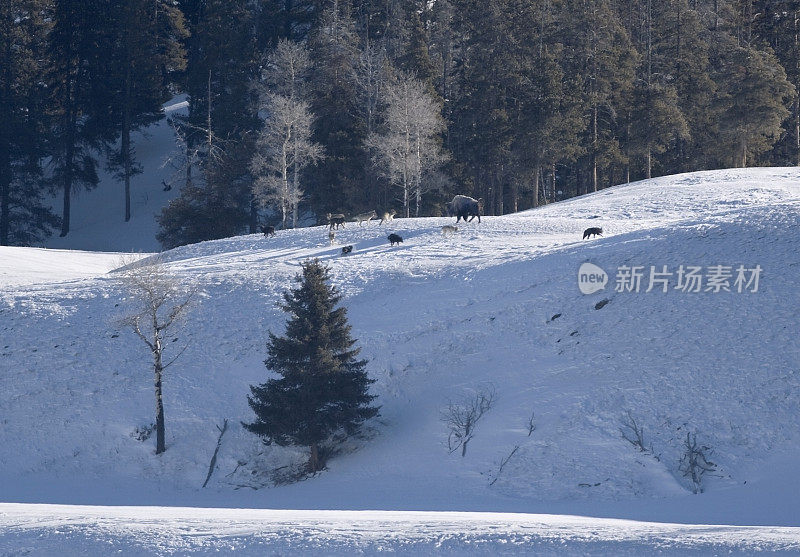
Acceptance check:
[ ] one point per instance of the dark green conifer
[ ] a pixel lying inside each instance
(323, 387)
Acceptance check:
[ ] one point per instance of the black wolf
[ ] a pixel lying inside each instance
(336, 220)
(347, 249)
(394, 239)
(268, 230)
(594, 230)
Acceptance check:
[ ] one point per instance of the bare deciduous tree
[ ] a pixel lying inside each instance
(694, 462)
(371, 75)
(461, 418)
(409, 151)
(159, 304)
(284, 146)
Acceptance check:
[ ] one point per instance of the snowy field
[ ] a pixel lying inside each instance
(76, 530)
(495, 306)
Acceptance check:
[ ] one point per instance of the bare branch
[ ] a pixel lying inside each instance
(462, 417)
(694, 462)
(531, 424)
(632, 432)
(503, 463)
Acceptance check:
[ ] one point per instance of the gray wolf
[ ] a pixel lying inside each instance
(365, 217)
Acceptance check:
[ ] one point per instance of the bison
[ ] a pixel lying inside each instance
(462, 207)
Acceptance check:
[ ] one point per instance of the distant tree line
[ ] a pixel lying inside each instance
(304, 107)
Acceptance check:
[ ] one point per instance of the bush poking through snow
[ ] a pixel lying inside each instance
(143, 433)
(633, 433)
(694, 462)
(461, 418)
(531, 425)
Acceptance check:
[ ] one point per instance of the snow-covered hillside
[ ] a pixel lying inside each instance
(439, 318)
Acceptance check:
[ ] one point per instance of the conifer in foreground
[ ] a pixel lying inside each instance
(323, 387)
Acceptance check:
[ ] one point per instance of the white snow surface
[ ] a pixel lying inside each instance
(438, 318)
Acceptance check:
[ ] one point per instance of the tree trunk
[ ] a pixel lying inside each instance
(208, 114)
(5, 193)
(295, 183)
(158, 369)
(649, 162)
(594, 148)
(743, 151)
(5, 155)
(797, 87)
(126, 138)
(514, 196)
(253, 215)
(313, 459)
(69, 155)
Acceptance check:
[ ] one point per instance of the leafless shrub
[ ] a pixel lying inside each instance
(462, 417)
(633, 433)
(694, 462)
(503, 463)
(531, 424)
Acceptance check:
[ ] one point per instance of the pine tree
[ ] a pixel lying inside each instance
(753, 95)
(143, 47)
(217, 207)
(73, 78)
(482, 112)
(606, 58)
(323, 387)
(24, 218)
(222, 119)
(335, 184)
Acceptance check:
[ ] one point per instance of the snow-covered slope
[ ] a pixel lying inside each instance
(438, 318)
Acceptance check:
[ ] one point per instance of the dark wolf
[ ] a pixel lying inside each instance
(267, 230)
(594, 230)
(462, 207)
(336, 220)
(347, 249)
(394, 239)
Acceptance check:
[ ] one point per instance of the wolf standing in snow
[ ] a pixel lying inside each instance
(365, 217)
(462, 207)
(335, 220)
(594, 230)
(388, 217)
(394, 239)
